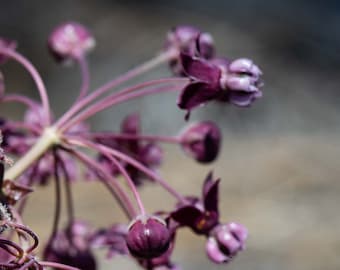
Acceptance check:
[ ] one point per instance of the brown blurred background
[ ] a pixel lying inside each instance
(280, 160)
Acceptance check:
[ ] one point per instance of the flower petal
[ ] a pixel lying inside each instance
(195, 94)
(242, 98)
(187, 215)
(210, 198)
(200, 69)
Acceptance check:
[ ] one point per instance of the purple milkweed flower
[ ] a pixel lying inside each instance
(202, 141)
(7, 44)
(148, 237)
(70, 41)
(225, 241)
(200, 214)
(72, 247)
(237, 82)
(113, 239)
(188, 39)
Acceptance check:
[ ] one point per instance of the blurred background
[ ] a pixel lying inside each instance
(280, 159)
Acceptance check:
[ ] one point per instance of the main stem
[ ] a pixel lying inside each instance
(49, 138)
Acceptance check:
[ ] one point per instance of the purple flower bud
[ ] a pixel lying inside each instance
(6, 44)
(148, 237)
(226, 241)
(69, 41)
(201, 141)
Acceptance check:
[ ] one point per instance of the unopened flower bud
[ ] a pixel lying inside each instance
(69, 41)
(225, 242)
(6, 44)
(148, 237)
(202, 141)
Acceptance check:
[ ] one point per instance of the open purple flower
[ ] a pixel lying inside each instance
(202, 141)
(69, 41)
(225, 241)
(200, 214)
(237, 82)
(72, 247)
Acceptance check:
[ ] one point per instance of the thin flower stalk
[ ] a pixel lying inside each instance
(133, 162)
(147, 66)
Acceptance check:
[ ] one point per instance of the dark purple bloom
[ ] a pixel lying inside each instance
(237, 82)
(225, 241)
(202, 141)
(190, 40)
(71, 247)
(69, 41)
(200, 214)
(7, 44)
(148, 237)
(113, 238)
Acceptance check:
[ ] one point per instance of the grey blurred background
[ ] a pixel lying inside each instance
(280, 159)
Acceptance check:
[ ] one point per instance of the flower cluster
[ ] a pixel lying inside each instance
(46, 149)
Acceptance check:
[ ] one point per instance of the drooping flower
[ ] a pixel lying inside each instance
(237, 82)
(72, 247)
(148, 237)
(69, 41)
(202, 141)
(200, 214)
(225, 241)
